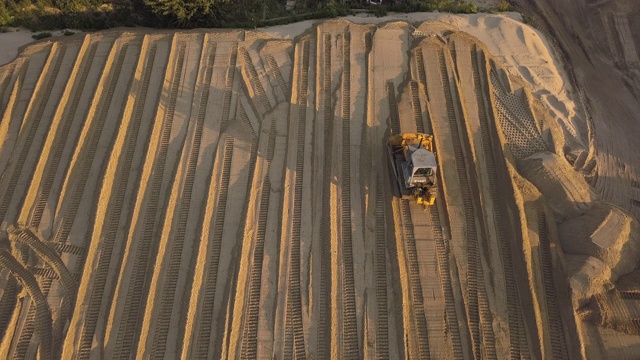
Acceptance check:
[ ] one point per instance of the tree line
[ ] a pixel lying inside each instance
(102, 14)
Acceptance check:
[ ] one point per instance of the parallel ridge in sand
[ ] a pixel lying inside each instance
(222, 194)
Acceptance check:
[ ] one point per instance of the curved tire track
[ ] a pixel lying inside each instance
(42, 313)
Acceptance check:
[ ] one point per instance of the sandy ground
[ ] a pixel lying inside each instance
(15, 38)
(11, 42)
(226, 194)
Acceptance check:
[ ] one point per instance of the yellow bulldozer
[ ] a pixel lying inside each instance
(414, 165)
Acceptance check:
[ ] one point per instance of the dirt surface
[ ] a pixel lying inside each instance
(227, 194)
(600, 46)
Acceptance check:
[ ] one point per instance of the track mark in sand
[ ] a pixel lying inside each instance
(175, 260)
(478, 312)
(12, 106)
(629, 295)
(46, 273)
(294, 338)
(89, 151)
(558, 341)
(415, 106)
(27, 237)
(382, 323)
(108, 241)
(483, 302)
(228, 92)
(5, 85)
(255, 82)
(394, 118)
(518, 124)
(243, 118)
(42, 316)
(422, 75)
(442, 246)
(250, 330)
(34, 124)
(350, 348)
(128, 332)
(442, 249)
(69, 217)
(53, 260)
(517, 335)
(417, 301)
(281, 92)
(324, 301)
(206, 314)
(66, 248)
(8, 303)
(60, 141)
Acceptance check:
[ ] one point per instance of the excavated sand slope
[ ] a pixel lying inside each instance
(221, 194)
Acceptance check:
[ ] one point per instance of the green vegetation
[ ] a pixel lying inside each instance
(5, 15)
(76, 14)
(40, 15)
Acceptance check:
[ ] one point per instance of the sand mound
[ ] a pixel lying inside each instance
(606, 233)
(566, 191)
(588, 276)
(223, 193)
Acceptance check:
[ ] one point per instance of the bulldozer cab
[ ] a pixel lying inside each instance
(414, 165)
(421, 168)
